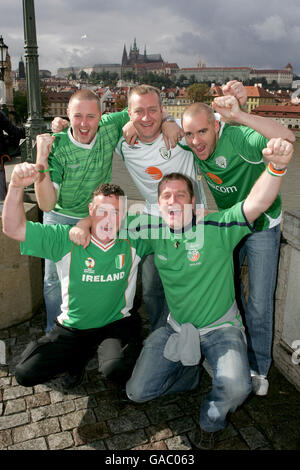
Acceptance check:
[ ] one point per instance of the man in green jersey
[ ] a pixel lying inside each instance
(230, 159)
(74, 164)
(195, 264)
(98, 288)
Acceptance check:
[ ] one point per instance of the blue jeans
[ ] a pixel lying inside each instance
(153, 294)
(226, 352)
(262, 251)
(52, 289)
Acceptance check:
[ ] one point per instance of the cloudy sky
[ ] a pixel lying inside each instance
(258, 33)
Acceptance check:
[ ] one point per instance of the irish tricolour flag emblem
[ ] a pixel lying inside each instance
(120, 261)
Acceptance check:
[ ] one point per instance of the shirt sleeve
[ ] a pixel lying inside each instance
(118, 148)
(248, 143)
(46, 241)
(232, 225)
(119, 119)
(55, 162)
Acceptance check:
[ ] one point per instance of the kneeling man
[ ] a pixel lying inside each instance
(195, 263)
(98, 288)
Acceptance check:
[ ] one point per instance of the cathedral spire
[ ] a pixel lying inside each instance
(124, 56)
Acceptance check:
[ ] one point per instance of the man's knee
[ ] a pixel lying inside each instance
(29, 371)
(237, 390)
(135, 393)
(25, 377)
(110, 355)
(243, 389)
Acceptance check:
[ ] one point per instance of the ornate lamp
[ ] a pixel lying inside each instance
(3, 55)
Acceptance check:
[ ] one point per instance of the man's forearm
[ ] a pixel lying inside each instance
(46, 194)
(262, 195)
(13, 214)
(229, 110)
(279, 153)
(269, 128)
(44, 189)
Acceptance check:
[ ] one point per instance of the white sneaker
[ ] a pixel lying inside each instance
(260, 384)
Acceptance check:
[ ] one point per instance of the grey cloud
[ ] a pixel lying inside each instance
(230, 33)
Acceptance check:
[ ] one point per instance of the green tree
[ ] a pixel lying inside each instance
(121, 103)
(129, 75)
(83, 75)
(192, 79)
(20, 105)
(94, 77)
(197, 91)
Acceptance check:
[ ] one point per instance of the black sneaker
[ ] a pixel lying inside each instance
(72, 380)
(204, 440)
(122, 395)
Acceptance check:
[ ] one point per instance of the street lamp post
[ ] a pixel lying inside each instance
(3, 56)
(35, 124)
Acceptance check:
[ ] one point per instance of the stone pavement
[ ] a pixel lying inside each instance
(44, 417)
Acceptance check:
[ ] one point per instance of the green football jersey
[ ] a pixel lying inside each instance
(233, 168)
(78, 169)
(98, 283)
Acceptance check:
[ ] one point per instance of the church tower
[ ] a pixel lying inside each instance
(134, 53)
(21, 71)
(124, 57)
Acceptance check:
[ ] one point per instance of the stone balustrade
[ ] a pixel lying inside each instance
(21, 279)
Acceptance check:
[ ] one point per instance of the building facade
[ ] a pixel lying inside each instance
(219, 75)
(284, 77)
(287, 114)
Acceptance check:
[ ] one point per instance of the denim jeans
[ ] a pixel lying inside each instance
(153, 294)
(262, 251)
(226, 352)
(52, 289)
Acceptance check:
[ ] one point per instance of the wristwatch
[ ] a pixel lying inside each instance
(168, 118)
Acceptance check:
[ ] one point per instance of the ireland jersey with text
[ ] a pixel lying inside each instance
(98, 283)
(148, 163)
(233, 168)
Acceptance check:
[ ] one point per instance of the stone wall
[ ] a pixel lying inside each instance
(21, 279)
(286, 350)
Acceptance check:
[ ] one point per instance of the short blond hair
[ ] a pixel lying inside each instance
(144, 90)
(85, 95)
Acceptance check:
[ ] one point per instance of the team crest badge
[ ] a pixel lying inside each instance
(165, 153)
(90, 263)
(120, 261)
(193, 255)
(221, 162)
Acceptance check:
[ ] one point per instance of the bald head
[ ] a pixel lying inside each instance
(201, 129)
(198, 108)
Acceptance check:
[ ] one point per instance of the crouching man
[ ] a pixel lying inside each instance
(97, 283)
